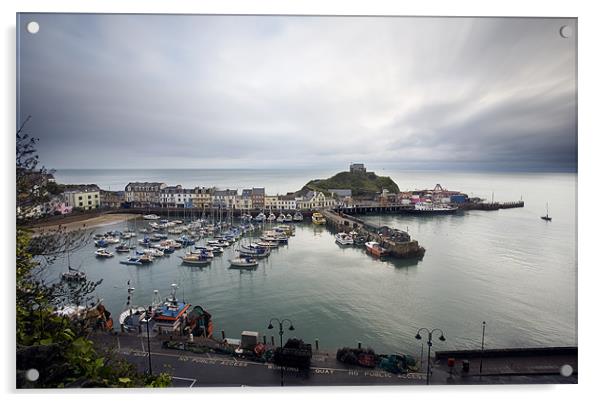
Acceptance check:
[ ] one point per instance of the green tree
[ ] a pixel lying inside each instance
(55, 346)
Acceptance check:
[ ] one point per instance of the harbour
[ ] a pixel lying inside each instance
(342, 295)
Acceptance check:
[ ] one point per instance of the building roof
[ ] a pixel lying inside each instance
(258, 191)
(225, 193)
(246, 192)
(340, 192)
(81, 188)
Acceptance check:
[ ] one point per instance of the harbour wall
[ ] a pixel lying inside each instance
(341, 222)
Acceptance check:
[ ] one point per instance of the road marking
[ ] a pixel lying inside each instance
(186, 379)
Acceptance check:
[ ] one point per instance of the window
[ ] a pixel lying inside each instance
(80, 197)
(95, 195)
(81, 204)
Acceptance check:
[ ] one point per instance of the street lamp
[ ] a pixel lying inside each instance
(281, 332)
(429, 343)
(150, 366)
(482, 348)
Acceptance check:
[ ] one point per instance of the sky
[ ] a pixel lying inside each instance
(168, 91)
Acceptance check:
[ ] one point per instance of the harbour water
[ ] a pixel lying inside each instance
(508, 268)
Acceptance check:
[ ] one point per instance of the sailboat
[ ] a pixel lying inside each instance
(72, 274)
(547, 217)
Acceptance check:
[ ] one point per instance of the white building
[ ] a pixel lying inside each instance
(83, 197)
(314, 200)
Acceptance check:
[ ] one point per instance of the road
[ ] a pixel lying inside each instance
(190, 369)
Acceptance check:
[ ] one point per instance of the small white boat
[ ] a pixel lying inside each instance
(343, 239)
(151, 217)
(131, 261)
(103, 253)
(271, 217)
(243, 262)
(298, 217)
(112, 240)
(288, 218)
(260, 217)
(280, 218)
(152, 251)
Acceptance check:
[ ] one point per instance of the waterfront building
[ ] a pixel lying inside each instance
(111, 199)
(203, 197)
(224, 198)
(343, 196)
(286, 202)
(357, 168)
(244, 202)
(85, 197)
(313, 200)
(258, 197)
(271, 201)
(146, 194)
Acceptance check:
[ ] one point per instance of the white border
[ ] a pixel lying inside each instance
(590, 69)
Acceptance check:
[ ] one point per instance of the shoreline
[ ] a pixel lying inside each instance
(83, 222)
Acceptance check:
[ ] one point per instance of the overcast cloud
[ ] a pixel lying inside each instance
(235, 92)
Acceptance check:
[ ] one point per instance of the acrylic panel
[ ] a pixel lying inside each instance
(222, 200)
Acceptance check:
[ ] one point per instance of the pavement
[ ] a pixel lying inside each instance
(189, 369)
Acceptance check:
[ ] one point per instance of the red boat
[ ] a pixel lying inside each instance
(376, 249)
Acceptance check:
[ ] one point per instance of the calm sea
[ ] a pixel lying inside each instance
(508, 268)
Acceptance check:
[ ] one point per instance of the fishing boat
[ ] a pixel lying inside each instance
(151, 217)
(280, 218)
(151, 251)
(101, 243)
(122, 248)
(243, 262)
(103, 253)
(318, 219)
(131, 261)
(271, 217)
(73, 275)
(203, 251)
(547, 217)
(130, 318)
(375, 249)
(146, 258)
(288, 218)
(343, 239)
(268, 244)
(112, 240)
(196, 259)
(298, 217)
(260, 217)
(185, 241)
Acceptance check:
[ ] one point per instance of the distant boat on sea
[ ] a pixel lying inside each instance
(547, 217)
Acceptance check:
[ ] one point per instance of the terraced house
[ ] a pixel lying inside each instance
(146, 194)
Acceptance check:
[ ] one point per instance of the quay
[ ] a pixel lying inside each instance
(190, 369)
(398, 242)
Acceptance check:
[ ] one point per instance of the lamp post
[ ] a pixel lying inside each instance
(482, 348)
(429, 343)
(281, 332)
(150, 366)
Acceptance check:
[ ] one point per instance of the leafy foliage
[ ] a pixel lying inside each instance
(56, 346)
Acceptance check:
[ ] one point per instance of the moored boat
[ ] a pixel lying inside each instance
(243, 262)
(375, 249)
(343, 239)
(151, 217)
(103, 253)
(196, 259)
(298, 217)
(318, 219)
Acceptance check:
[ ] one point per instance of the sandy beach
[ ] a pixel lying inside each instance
(84, 222)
